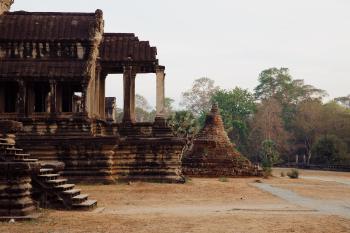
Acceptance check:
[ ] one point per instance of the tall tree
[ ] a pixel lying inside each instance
(197, 99)
(143, 109)
(279, 84)
(236, 107)
(308, 125)
(345, 100)
(184, 125)
(267, 125)
(168, 107)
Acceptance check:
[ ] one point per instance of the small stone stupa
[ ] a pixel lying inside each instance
(212, 153)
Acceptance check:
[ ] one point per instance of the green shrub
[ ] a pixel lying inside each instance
(187, 179)
(223, 179)
(293, 174)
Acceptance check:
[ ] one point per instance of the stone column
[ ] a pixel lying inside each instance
(84, 87)
(97, 95)
(21, 98)
(129, 94)
(102, 95)
(53, 96)
(160, 105)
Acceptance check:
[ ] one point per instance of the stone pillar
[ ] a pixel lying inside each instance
(102, 95)
(160, 105)
(129, 94)
(97, 96)
(53, 96)
(21, 97)
(84, 87)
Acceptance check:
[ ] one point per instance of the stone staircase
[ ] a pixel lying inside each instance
(8, 152)
(58, 192)
(49, 187)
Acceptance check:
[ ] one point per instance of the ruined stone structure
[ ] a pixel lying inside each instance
(23, 180)
(212, 153)
(16, 170)
(53, 68)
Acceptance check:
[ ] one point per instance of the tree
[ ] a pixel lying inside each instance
(143, 109)
(279, 84)
(267, 124)
(308, 125)
(168, 107)
(269, 153)
(184, 124)
(273, 83)
(345, 101)
(236, 107)
(329, 149)
(197, 99)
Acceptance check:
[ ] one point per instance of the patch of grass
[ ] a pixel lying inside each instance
(223, 179)
(293, 174)
(187, 179)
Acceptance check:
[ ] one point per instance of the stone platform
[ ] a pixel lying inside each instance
(106, 152)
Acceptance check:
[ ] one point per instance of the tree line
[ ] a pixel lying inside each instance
(284, 120)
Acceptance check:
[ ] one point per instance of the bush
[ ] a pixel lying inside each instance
(329, 149)
(223, 179)
(293, 174)
(267, 171)
(187, 179)
(282, 174)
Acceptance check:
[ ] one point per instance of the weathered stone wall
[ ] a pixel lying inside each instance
(5, 5)
(79, 144)
(149, 159)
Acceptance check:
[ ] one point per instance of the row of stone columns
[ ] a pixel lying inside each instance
(129, 76)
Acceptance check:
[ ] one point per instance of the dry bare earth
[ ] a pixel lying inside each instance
(202, 205)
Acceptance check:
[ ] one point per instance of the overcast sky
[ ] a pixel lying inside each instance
(230, 41)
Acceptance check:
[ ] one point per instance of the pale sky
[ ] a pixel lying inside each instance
(229, 41)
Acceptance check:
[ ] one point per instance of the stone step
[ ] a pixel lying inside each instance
(57, 182)
(65, 187)
(13, 150)
(72, 192)
(80, 198)
(23, 154)
(19, 157)
(51, 176)
(86, 205)
(44, 171)
(6, 145)
(26, 160)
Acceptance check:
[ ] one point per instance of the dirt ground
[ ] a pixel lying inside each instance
(201, 205)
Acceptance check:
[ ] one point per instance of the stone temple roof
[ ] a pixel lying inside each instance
(118, 47)
(47, 26)
(40, 30)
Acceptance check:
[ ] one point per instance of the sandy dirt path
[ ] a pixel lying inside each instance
(201, 205)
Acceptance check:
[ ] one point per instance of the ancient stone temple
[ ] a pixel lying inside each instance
(53, 68)
(25, 182)
(212, 153)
